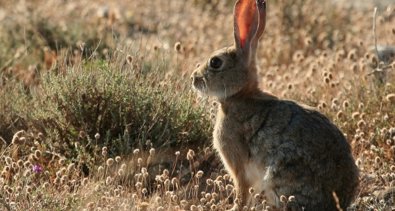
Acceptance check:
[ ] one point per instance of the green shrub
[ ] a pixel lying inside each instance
(123, 102)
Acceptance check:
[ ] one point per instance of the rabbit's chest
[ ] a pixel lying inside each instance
(227, 135)
(230, 140)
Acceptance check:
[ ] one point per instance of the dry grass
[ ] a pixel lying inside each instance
(97, 114)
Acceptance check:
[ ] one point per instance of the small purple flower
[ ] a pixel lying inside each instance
(37, 168)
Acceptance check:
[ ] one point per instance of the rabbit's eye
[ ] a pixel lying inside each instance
(215, 62)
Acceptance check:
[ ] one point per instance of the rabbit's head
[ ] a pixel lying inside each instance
(233, 70)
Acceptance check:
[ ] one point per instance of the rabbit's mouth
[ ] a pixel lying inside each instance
(199, 84)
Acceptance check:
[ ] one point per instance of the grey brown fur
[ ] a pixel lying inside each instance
(277, 147)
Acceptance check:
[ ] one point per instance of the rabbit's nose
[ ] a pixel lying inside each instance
(194, 75)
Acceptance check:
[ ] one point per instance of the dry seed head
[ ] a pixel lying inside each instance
(158, 200)
(167, 182)
(354, 67)
(183, 203)
(190, 154)
(340, 115)
(121, 172)
(29, 189)
(355, 115)
(138, 176)
(136, 151)
(139, 161)
(174, 181)
(109, 162)
(308, 41)
(361, 106)
(327, 80)
(229, 187)
(16, 139)
(62, 170)
(152, 152)
(361, 123)
(388, 142)
(203, 193)
(27, 164)
(177, 153)
(291, 199)
(82, 134)
(64, 179)
(9, 190)
(251, 190)
(58, 173)
(46, 185)
(289, 86)
(138, 185)
(177, 47)
(62, 161)
(104, 152)
(165, 172)
(168, 193)
(194, 208)
(199, 174)
(108, 180)
(100, 169)
(226, 177)
(40, 135)
(390, 98)
(144, 191)
(5, 187)
(91, 205)
(123, 166)
(18, 189)
(20, 163)
(174, 198)
(97, 136)
(158, 178)
(8, 161)
(70, 167)
(85, 181)
(144, 170)
(377, 160)
(221, 187)
(283, 199)
(346, 104)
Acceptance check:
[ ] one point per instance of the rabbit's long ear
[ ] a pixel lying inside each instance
(249, 24)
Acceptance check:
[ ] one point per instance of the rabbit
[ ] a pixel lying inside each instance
(276, 147)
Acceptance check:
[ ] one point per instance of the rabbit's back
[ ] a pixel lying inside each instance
(304, 155)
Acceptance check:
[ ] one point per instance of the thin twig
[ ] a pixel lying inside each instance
(374, 32)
